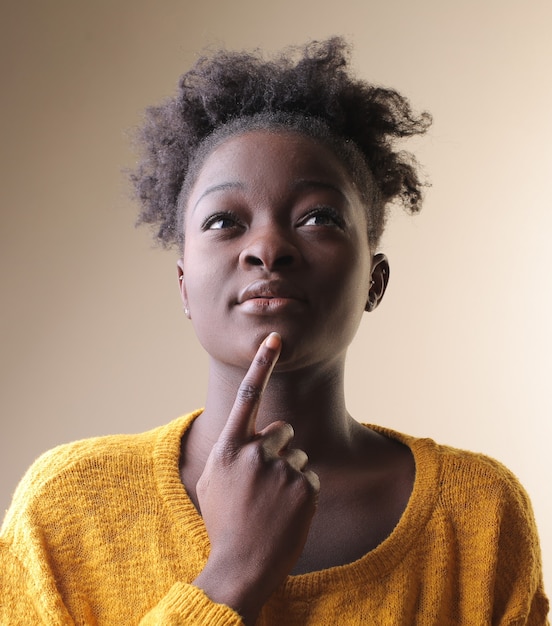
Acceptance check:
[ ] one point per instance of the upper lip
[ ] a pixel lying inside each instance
(269, 289)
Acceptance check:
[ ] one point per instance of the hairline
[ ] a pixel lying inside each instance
(344, 149)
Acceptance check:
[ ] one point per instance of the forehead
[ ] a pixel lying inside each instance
(266, 159)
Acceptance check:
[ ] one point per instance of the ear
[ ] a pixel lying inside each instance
(182, 287)
(379, 281)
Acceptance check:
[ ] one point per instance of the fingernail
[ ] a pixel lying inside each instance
(273, 341)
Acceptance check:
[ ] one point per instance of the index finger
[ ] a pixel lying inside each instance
(241, 421)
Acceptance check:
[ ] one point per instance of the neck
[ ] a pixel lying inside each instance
(311, 400)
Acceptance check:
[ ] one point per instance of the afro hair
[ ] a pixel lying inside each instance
(305, 88)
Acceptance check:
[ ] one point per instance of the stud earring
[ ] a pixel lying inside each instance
(186, 311)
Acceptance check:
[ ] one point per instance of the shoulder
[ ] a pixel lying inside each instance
(466, 483)
(460, 468)
(476, 477)
(472, 514)
(88, 466)
(67, 458)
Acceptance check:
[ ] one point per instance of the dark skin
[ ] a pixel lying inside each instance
(276, 274)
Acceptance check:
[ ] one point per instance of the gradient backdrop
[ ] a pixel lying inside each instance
(93, 337)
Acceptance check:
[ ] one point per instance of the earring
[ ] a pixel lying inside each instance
(181, 278)
(187, 312)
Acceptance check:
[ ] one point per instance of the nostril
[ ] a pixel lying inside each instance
(253, 260)
(284, 261)
(268, 258)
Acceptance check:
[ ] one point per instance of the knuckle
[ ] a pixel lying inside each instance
(221, 449)
(284, 470)
(297, 452)
(254, 455)
(313, 482)
(305, 492)
(248, 393)
(261, 360)
(281, 430)
(287, 426)
(275, 439)
(302, 459)
(223, 452)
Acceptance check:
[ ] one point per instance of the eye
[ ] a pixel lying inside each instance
(323, 216)
(221, 221)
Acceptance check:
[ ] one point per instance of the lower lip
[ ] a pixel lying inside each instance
(269, 306)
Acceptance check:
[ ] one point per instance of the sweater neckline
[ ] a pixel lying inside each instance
(372, 566)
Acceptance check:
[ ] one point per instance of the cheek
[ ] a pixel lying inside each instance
(209, 294)
(347, 271)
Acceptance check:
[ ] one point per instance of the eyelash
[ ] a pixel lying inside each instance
(218, 217)
(229, 216)
(334, 215)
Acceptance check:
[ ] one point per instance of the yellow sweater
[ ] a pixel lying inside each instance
(102, 532)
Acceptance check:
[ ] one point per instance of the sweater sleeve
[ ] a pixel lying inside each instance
(519, 594)
(31, 598)
(28, 598)
(57, 566)
(186, 604)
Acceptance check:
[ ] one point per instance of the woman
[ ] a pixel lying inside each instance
(272, 505)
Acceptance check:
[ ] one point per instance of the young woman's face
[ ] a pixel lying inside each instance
(275, 240)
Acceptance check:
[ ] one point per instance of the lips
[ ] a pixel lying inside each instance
(270, 290)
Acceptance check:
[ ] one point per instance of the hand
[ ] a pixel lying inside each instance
(256, 498)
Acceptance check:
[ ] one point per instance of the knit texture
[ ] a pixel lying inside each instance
(102, 532)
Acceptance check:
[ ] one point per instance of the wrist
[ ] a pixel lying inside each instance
(224, 585)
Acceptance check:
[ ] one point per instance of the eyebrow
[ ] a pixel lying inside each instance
(297, 185)
(215, 188)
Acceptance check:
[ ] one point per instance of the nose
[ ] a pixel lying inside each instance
(269, 248)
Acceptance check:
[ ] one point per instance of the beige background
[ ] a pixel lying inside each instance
(93, 338)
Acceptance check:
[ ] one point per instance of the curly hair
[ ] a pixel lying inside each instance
(308, 89)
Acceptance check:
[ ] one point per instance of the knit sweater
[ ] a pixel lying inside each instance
(102, 532)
